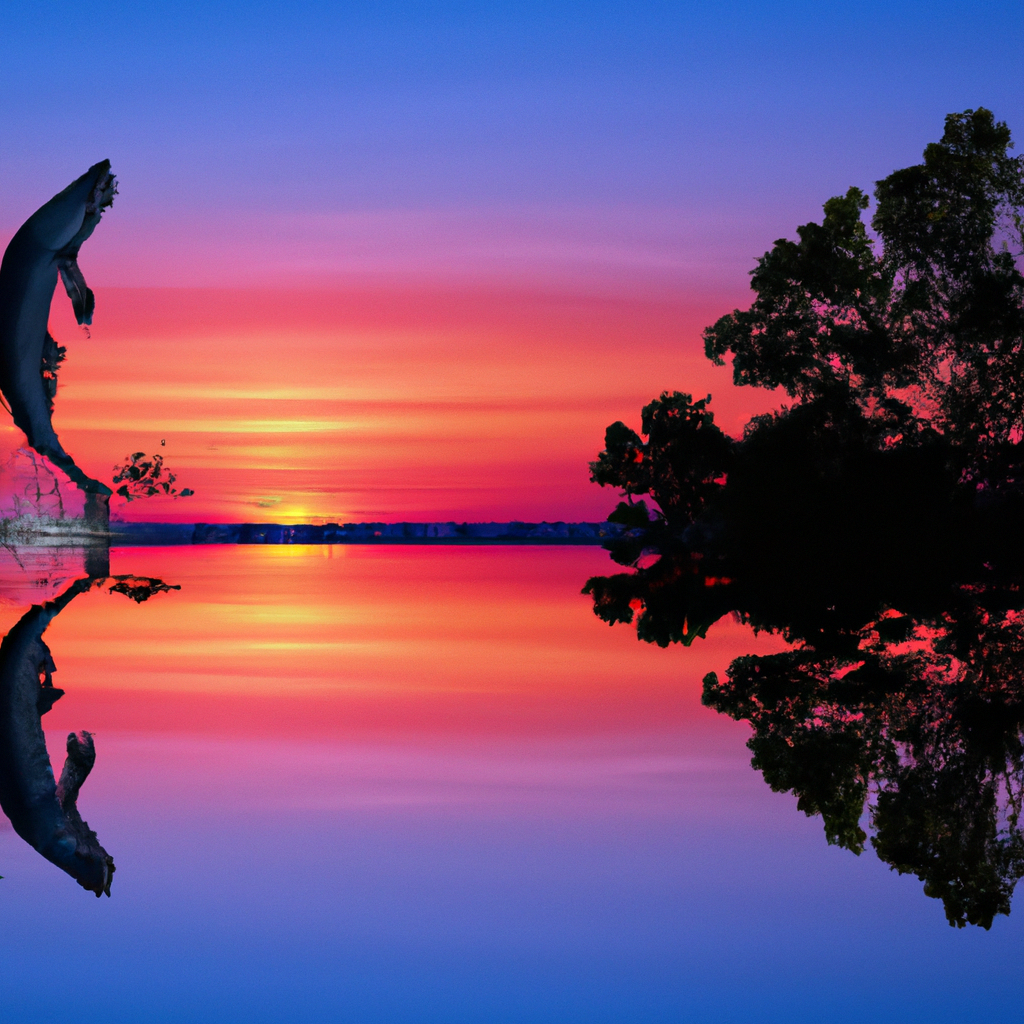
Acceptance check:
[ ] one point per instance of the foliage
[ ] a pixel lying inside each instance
(930, 325)
(138, 588)
(818, 323)
(144, 477)
(682, 463)
(919, 720)
(674, 600)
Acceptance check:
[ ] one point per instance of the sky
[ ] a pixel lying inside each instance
(407, 260)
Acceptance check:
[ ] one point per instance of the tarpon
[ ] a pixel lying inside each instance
(45, 247)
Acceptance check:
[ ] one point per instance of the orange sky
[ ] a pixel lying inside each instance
(390, 403)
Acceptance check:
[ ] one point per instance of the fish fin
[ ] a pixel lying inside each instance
(81, 757)
(82, 298)
(48, 696)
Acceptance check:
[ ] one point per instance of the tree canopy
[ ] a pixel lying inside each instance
(924, 321)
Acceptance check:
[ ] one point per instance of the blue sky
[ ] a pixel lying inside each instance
(741, 117)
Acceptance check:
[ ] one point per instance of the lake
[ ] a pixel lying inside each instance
(419, 784)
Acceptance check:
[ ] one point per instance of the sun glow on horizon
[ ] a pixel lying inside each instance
(376, 404)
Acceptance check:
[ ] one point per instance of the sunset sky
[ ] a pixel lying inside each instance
(407, 260)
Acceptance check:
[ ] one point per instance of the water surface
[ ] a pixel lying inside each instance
(422, 784)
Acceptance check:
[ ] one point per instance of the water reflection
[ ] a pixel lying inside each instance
(397, 778)
(44, 810)
(921, 721)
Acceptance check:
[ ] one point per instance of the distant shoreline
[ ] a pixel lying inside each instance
(447, 533)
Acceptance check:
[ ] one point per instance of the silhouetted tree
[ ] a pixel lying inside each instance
(927, 326)
(874, 522)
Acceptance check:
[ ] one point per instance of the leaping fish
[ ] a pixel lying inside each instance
(46, 246)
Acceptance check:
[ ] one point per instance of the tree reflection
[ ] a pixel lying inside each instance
(903, 597)
(921, 724)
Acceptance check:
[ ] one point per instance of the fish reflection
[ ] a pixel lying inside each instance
(43, 810)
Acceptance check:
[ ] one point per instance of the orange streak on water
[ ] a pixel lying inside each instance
(372, 641)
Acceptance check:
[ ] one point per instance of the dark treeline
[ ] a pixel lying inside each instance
(875, 521)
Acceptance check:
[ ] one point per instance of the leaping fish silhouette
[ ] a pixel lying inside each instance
(46, 245)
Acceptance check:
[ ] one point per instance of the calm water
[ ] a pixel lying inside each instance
(424, 784)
